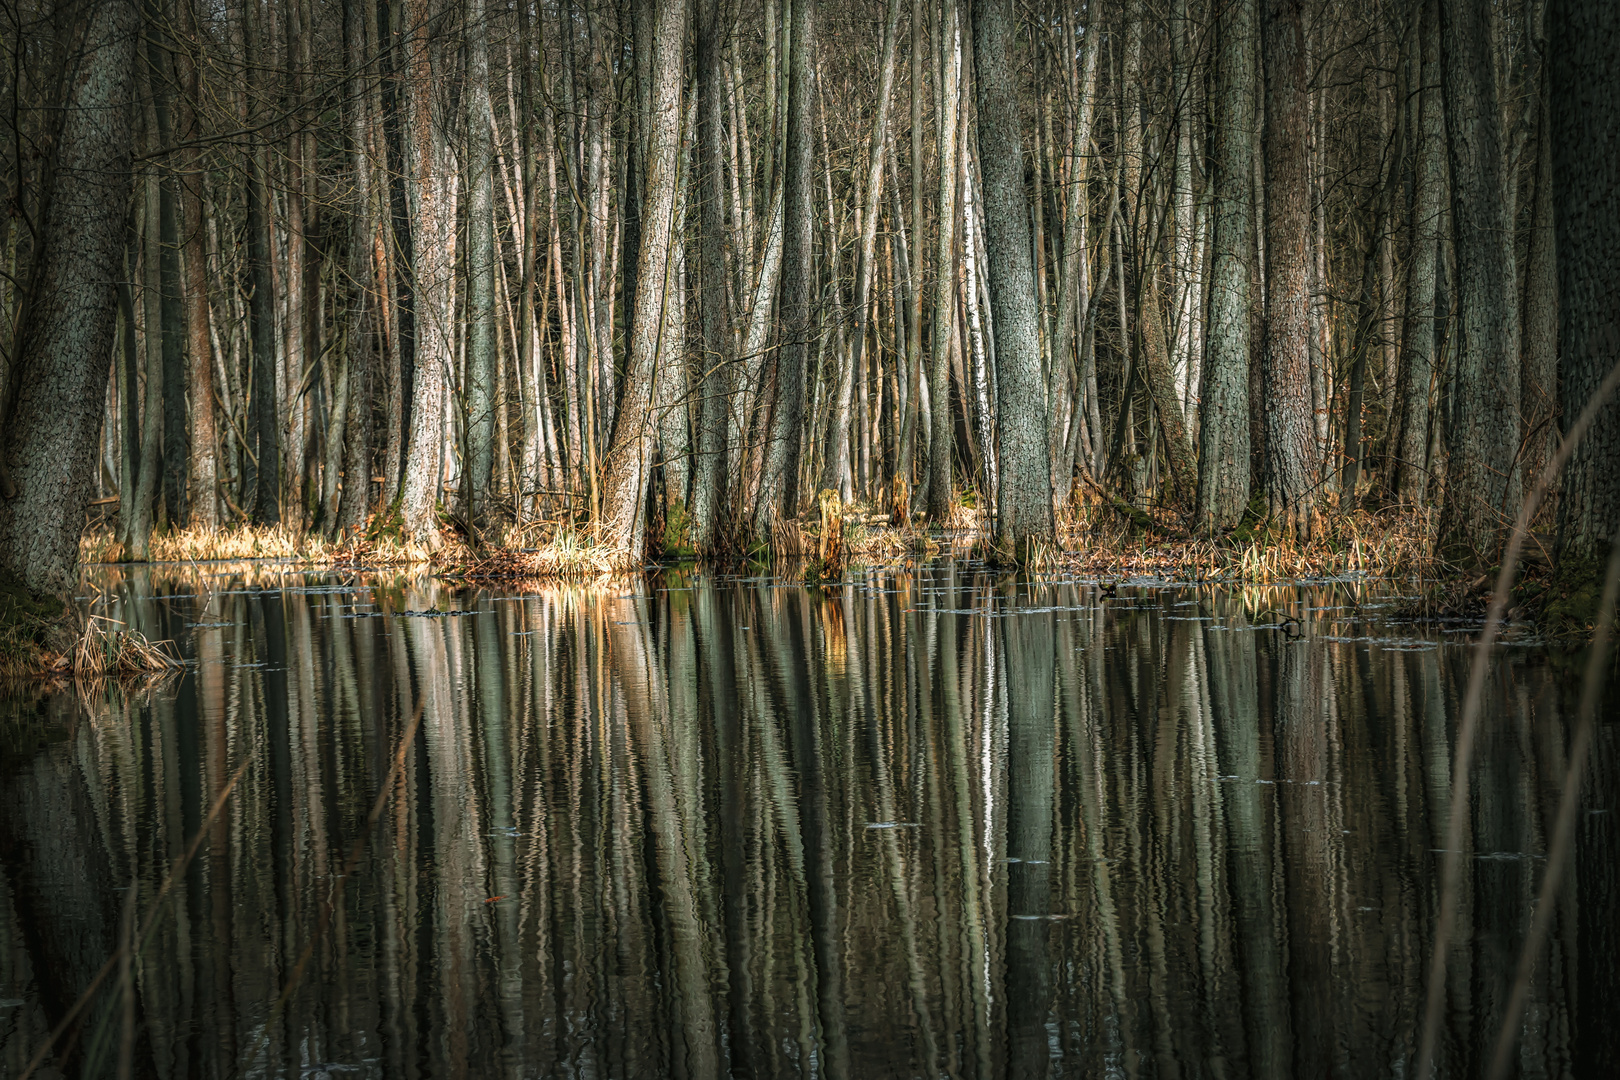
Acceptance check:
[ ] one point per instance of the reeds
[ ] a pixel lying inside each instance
(106, 647)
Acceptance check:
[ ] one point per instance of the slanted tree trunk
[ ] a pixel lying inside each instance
(1482, 492)
(1024, 505)
(432, 190)
(779, 483)
(710, 477)
(944, 320)
(49, 430)
(481, 371)
(1223, 463)
(1583, 40)
(1290, 434)
(1418, 338)
(629, 454)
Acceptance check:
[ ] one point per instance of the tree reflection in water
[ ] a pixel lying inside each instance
(929, 823)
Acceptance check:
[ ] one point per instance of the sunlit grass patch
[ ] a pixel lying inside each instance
(256, 542)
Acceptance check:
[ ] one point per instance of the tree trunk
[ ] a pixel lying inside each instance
(1418, 336)
(779, 485)
(1290, 441)
(50, 428)
(1482, 492)
(433, 249)
(1538, 378)
(948, 92)
(1024, 506)
(261, 304)
(481, 360)
(630, 453)
(1583, 40)
(1223, 463)
(351, 516)
(836, 466)
(710, 476)
(204, 497)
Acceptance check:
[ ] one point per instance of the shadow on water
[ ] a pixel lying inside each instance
(922, 824)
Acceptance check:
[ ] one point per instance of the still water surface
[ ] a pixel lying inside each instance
(930, 823)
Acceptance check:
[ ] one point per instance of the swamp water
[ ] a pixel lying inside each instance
(922, 824)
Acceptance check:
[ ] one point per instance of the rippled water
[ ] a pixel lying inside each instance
(925, 824)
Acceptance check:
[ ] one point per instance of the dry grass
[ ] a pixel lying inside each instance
(1101, 541)
(564, 554)
(106, 647)
(257, 542)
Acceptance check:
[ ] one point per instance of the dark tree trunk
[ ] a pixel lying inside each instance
(261, 305)
(356, 428)
(204, 497)
(1427, 211)
(1583, 41)
(1482, 492)
(48, 433)
(1024, 496)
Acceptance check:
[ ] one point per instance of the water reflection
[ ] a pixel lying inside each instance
(928, 824)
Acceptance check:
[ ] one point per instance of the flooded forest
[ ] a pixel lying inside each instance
(762, 538)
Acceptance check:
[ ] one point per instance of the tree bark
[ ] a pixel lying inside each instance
(710, 475)
(481, 361)
(630, 453)
(1024, 520)
(204, 497)
(1583, 40)
(779, 485)
(433, 195)
(1482, 491)
(940, 441)
(1223, 463)
(835, 471)
(50, 428)
(351, 514)
(1418, 338)
(1290, 440)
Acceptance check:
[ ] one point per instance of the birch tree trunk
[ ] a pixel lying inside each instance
(1223, 462)
(1024, 519)
(630, 453)
(49, 430)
